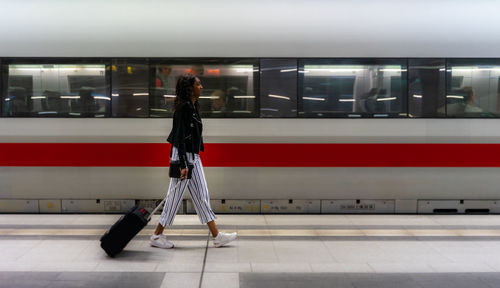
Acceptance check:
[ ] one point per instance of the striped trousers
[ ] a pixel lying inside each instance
(198, 190)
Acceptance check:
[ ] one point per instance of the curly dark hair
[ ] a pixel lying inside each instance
(184, 90)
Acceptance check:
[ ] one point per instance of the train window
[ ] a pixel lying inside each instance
(230, 86)
(2, 79)
(56, 90)
(473, 88)
(129, 91)
(426, 87)
(278, 90)
(352, 88)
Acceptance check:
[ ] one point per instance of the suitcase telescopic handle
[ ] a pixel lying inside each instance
(162, 201)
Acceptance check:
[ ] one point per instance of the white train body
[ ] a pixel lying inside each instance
(261, 29)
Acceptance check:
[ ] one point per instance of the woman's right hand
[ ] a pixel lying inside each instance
(184, 173)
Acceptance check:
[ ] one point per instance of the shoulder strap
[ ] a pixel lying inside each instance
(191, 126)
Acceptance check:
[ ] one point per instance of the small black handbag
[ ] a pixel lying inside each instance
(175, 170)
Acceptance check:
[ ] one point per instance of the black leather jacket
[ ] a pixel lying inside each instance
(186, 132)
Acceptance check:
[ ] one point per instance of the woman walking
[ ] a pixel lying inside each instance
(187, 142)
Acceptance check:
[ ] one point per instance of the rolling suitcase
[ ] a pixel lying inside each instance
(118, 236)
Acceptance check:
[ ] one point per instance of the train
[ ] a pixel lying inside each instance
(308, 106)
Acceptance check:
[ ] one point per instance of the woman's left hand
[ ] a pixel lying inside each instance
(184, 173)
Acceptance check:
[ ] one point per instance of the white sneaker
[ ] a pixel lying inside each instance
(161, 241)
(224, 238)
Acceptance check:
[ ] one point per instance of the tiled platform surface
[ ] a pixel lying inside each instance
(272, 251)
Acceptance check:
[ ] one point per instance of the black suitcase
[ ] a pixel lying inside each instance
(118, 236)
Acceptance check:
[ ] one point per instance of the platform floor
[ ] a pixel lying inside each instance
(272, 251)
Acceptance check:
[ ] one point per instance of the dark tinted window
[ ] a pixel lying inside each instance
(473, 88)
(229, 86)
(60, 90)
(342, 87)
(278, 80)
(129, 93)
(426, 91)
(3, 78)
(162, 90)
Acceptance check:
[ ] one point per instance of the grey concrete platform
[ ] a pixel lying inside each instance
(272, 251)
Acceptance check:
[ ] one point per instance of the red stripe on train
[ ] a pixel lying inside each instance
(253, 155)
